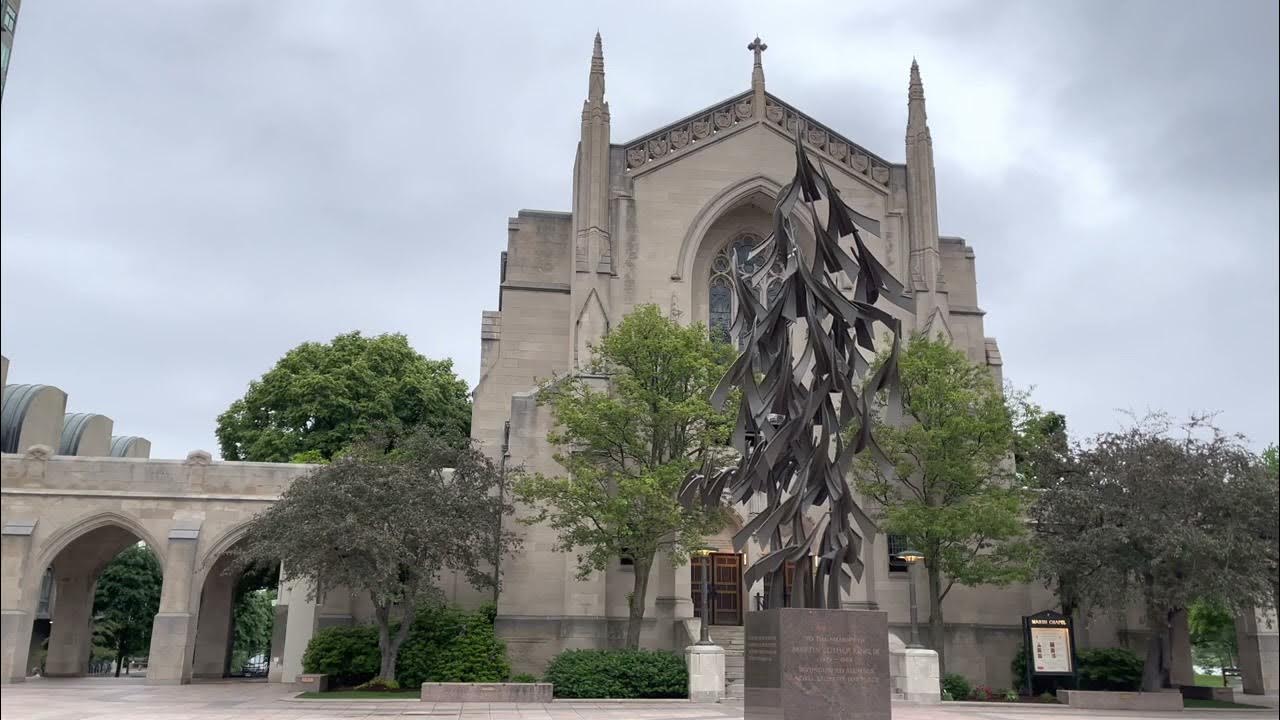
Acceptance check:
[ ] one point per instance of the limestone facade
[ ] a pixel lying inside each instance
(649, 219)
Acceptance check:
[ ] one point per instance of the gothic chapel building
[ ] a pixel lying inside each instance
(655, 221)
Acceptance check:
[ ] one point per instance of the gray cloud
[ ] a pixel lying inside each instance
(190, 190)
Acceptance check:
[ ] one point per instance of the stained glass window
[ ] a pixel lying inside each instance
(722, 301)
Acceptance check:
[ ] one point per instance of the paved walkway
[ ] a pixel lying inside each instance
(121, 699)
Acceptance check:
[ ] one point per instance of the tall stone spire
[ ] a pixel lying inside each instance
(917, 118)
(922, 196)
(595, 86)
(593, 245)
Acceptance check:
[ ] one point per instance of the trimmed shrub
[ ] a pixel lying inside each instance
(618, 674)
(523, 678)
(444, 645)
(1110, 669)
(348, 655)
(955, 685)
(448, 645)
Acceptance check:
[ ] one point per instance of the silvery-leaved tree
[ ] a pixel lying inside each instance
(386, 520)
(1163, 514)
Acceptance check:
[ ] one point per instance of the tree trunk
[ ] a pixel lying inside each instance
(1155, 669)
(121, 648)
(937, 629)
(388, 644)
(639, 590)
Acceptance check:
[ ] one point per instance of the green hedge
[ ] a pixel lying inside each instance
(448, 645)
(444, 645)
(1110, 669)
(618, 674)
(348, 655)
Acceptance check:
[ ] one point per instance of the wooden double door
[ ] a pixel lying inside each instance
(725, 583)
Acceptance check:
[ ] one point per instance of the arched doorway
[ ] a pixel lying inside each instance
(98, 592)
(236, 618)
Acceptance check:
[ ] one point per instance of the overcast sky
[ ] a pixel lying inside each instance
(191, 189)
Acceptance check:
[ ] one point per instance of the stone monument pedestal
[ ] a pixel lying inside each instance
(919, 682)
(706, 672)
(804, 664)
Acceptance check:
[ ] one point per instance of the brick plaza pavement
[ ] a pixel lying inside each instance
(127, 699)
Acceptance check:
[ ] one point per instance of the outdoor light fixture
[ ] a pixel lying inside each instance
(911, 557)
(705, 553)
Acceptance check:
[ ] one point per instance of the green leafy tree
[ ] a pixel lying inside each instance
(1213, 634)
(323, 397)
(1163, 514)
(387, 524)
(948, 486)
(125, 603)
(628, 444)
(1041, 446)
(1042, 454)
(254, 620)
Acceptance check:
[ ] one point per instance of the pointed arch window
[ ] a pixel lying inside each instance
(722, 299)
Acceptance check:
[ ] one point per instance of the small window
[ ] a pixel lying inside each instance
(10, 17)
(897, 544)
(625, 558)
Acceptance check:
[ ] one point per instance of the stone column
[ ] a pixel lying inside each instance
(301, 625)
(275, 664)
(666, 601)
(174, 630)
(1259, 642)
(70, 632)
(16, 610)
(215, 630)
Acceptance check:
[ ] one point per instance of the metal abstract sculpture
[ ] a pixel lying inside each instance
(806, 399)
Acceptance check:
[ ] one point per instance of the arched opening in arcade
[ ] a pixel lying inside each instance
(237, 619)
(97, 599)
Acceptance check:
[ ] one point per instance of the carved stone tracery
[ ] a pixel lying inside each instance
(688, 133)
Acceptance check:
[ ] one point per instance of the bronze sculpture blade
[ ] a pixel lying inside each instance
(803, 347)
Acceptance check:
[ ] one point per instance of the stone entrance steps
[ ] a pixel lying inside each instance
(733, 639)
